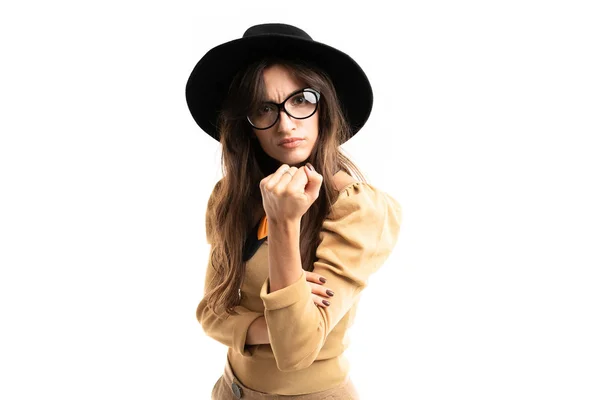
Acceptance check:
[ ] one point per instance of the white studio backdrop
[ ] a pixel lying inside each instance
(484, 127)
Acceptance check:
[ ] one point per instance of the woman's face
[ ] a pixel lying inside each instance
(279, 85)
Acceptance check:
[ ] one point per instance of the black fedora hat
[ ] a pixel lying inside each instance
(209, 81)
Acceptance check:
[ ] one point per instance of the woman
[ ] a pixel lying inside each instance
(294, 233)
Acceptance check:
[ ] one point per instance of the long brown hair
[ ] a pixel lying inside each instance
(237, 195)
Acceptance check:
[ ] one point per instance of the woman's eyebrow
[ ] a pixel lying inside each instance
(286, 96)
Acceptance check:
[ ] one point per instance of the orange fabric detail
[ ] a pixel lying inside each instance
(263, 228)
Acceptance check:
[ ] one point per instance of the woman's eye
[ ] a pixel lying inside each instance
(265, 109)
(297, 100)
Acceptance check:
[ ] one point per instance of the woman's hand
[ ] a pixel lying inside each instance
(258, 331)
(320, 294)
(289, 192)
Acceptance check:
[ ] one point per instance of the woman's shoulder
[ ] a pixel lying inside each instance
(363, 200)
(215, 192)
(363, 217)
(342, 179)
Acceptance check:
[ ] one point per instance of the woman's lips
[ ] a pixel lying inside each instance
(291, 145)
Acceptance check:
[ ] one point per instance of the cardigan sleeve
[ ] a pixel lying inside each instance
(230, 330)
(357, 237)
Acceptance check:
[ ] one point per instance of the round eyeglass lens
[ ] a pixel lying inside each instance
(301, 105)
(264, 116)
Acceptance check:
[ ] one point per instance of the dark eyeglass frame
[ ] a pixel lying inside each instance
(281, 106)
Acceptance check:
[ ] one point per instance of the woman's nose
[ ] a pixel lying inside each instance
(286, 122)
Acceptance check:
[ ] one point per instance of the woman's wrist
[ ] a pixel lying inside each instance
(284, 226)
(285, 264)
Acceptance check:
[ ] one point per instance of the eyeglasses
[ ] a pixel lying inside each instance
(301, 104)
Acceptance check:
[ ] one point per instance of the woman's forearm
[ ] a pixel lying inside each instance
(285, 268)
(257, 332)
(285, 264)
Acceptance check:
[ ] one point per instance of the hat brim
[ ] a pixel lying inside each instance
(209, 81)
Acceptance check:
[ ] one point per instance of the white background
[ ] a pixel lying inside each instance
(485, 128)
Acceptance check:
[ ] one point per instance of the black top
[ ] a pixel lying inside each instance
(252, 242)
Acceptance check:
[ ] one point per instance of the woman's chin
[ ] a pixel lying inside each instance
(296, 160)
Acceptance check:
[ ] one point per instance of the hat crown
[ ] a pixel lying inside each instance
(276, 29)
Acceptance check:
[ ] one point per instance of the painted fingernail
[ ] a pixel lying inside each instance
(329, 292)
(309, 165)
(326, 302)
(323, 279)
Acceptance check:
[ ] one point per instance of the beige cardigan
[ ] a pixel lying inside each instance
(307, 341)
